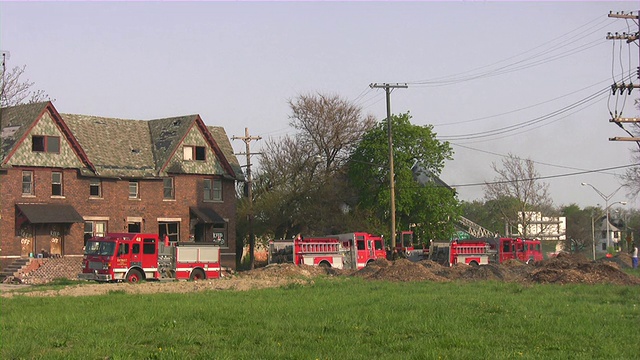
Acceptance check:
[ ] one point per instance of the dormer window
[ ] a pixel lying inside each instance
(44, 143)
(191, 152)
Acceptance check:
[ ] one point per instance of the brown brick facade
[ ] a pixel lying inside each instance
(83, 149)
(114, 207)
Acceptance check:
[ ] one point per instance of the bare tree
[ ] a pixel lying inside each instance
(332, 126)
(518, 193)
(303, 175)
(14, 90)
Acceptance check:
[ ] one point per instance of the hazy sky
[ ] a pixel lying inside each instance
(527, 78)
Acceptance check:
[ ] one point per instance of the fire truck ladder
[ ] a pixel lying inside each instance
(474, 229)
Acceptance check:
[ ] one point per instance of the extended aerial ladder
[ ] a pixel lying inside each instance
(426, 177)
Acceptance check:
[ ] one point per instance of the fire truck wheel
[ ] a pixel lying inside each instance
(473, 263)
(134, 276)
(530, 261)
(197, 274)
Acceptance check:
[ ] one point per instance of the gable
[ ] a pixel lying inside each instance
(201, 162)
(36, 145)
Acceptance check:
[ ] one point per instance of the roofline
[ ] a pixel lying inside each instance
(77, 148)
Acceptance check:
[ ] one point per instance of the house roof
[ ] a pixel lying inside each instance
(221, 138)
(116, 147)
(120, 148)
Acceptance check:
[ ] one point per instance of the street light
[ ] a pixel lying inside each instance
(593, 231)
(606, 199)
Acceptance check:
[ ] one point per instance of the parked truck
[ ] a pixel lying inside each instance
(406, 248)
(133, 257)
(343, 251)
(485, 251)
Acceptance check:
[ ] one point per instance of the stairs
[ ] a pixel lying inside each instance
(42, 271)
(14, 268)
(54, 268)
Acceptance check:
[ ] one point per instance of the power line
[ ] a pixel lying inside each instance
(518, 126)
(520, 109)
(534, 161)
(548, 177)
(510, 67)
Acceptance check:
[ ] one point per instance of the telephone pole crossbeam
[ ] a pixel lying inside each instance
(388, 87)
(252, 238)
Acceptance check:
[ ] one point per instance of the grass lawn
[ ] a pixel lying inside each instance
(345, 318)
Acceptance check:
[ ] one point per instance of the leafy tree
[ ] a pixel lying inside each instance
(431, 207)
(579, 231)
(14, 90)
(302, 184)
(516, 191)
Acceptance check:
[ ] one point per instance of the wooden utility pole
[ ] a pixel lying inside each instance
(252, 238)
(387, 88)
(620, 88)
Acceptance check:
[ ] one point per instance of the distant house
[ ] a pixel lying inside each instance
(65, 178)
(616, 235)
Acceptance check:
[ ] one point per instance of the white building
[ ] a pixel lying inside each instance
(604, 243)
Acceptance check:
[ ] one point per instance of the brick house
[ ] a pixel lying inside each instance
(65, 178)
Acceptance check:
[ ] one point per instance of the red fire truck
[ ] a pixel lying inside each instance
(134, 257)
(406, 248)
(485, 251)
(344, 251)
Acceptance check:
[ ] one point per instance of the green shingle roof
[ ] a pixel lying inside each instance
(119, 147)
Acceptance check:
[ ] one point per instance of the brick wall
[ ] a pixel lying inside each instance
(114, 205)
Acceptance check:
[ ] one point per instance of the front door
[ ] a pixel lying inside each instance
(26, 240)
(56, 240)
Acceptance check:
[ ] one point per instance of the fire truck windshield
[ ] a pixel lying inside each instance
(100, 248)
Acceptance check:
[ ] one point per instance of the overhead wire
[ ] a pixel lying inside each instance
(534, 161)
(547, 177)
(456, 78)
(523, 124)
(520, 109)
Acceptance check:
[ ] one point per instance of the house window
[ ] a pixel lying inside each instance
(134, 227)
(604, 246)
(217, 189)
(171, 229)
(27, 183)
(94, 228)
(212, 190)
(169, 191)
(50, 144)
(194, 153)
(56, 183)
(207, 188)
(95, 188)
(134, 189)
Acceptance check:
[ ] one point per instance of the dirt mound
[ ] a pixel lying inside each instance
(563, 269)
(576, 269)
(284, 271)
(622, 259)
(399, 270)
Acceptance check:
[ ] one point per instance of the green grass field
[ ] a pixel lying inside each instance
(346, 318)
